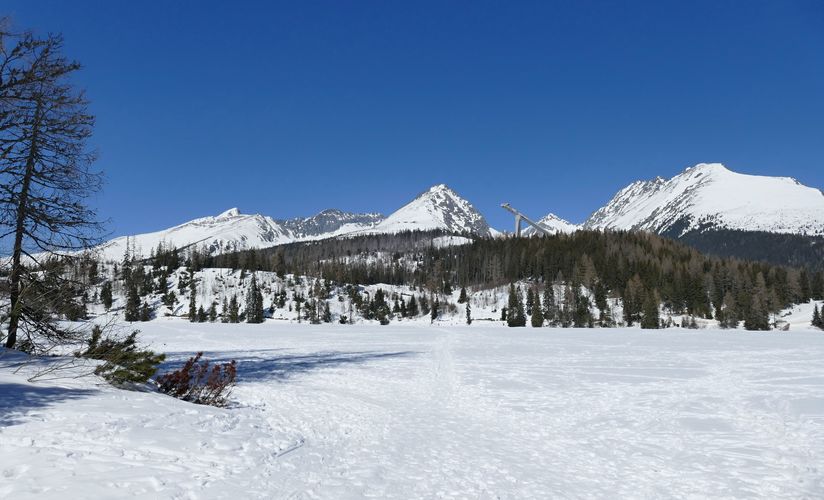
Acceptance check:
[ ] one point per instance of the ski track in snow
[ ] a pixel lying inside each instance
(408, 411)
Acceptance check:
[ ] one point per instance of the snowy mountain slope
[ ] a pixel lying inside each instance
(331, 221)
(227, 232)
(554, 224)
(439, 207)
(232, 231)
(709, 195)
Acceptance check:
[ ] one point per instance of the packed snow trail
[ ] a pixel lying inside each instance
(437, 412)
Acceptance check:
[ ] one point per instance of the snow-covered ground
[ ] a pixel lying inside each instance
(412, 411)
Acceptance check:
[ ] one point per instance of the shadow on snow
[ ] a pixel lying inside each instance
(18, 399)
(257, 366)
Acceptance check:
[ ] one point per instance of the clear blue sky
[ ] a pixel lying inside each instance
(287, 109)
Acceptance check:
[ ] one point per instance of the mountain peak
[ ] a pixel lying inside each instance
(439, 207)
(709, 195)
(707, 167)
(232, 212)
(437, 189)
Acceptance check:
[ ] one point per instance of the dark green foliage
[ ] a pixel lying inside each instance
(125, 362)
(192, 300)
(234, 310)
(145, 312)
(728, 316)
(609, 264)
(537, 317)
(132, 312)
(515, 315)
(468, 313)
(650, 319)
(817, 322)
(775, 248)
(633, 300)
(412, 308)
(254, 303)
(757, 316)
(106, 295)
(462, 296)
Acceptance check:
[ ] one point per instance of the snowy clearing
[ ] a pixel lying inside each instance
(409, 411)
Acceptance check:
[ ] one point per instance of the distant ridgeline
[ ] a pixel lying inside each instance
(631, 265)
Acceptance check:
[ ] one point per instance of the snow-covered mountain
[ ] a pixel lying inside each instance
(232, 231)
(330, 222)
(227, 232)
(553, 224)
(709, 195)
(439, 207)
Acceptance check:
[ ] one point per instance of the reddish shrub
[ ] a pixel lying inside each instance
(199, 382)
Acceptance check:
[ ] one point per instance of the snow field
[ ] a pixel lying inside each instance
(411, 411)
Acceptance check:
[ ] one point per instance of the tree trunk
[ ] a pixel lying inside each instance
(16, 276)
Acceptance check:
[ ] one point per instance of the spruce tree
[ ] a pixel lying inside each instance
(145, 312)
(468, 313)
(537, 318)
(462, 296)
(132, 312)
(192, 301)
(515, 311)
(106, 295)
(728, 315)
(817, 321)
(254, 303)
(412, 308)
(234, 310)
(212, 313)
(550, 308)
(650, 319)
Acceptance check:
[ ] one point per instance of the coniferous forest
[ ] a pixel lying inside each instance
(642, 269)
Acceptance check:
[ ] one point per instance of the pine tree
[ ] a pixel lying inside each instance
(145, 312)
(468, 313)
(224, 311)
(106, 295)
(550, 308)
(433, 312)
(254, 303)
(412, 308)
(817, 321)
(212, 313)
(515, 311)
(192, 301)
(530, 299)
(728, 314)
(650, 319)
(327, 313)
(462, 296)
(201, 314)
(132, 312)
(537, 318)
(757, 318)
(234, 310)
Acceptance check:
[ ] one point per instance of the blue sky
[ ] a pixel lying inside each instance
(290, 108)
